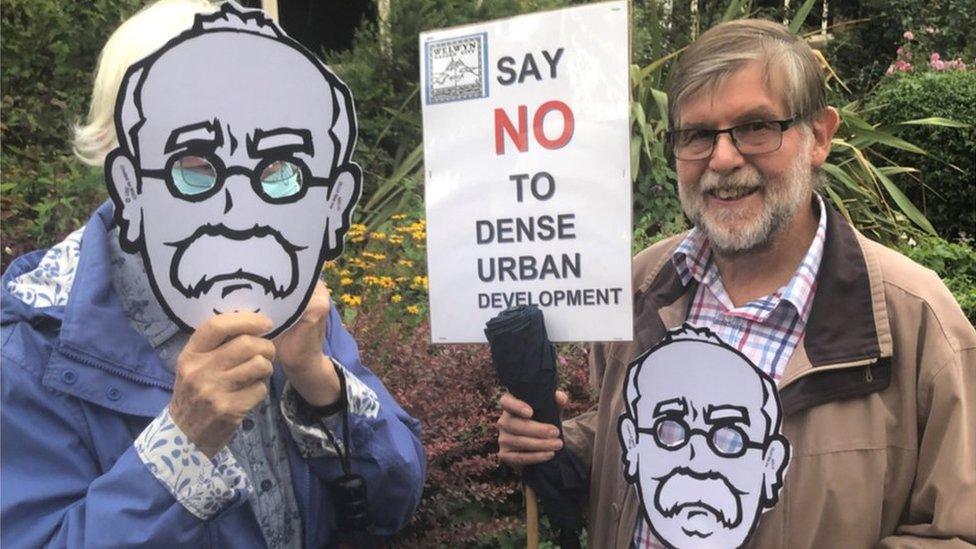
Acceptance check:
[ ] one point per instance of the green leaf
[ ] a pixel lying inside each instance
(839, 203)
(903, 202)
(867, 137)
(635, 145)
(895, 170)
(657, 64)
(661, 99)
(801, 16)
(935, 121)
(732, 11)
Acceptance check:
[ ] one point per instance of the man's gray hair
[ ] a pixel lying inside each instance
(686, 333)
(726, 48)
(233, 18)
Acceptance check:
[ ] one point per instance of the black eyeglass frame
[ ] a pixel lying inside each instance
(222, 172)
(784, 125)
(709, 437)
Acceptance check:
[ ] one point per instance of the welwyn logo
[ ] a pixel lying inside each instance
(457, 68)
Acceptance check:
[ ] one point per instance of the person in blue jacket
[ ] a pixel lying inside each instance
(121, 429)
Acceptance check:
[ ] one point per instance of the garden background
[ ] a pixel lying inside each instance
(902, 169)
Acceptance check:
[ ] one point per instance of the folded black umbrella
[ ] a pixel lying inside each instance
(526, 364)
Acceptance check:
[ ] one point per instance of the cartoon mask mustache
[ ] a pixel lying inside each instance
(713, 490)
(215, 253)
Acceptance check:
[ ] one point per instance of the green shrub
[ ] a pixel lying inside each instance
(49, 50)
(946, 194)
(862, 51)
(954, 262)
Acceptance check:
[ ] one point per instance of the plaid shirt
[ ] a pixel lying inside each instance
(766, 330)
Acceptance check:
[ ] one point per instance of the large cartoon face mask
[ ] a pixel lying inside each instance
(233, 176)
(700, 439)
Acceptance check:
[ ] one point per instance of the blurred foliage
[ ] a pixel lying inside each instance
(49, 50)
(867, 32)
(955, 263)
(945, 183)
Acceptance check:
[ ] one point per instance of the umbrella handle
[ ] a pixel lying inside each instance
(531, 518)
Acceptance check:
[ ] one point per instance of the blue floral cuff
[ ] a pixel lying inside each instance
(310, 435)
(203, 486)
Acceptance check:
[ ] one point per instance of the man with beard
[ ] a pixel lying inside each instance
(873, 358)
(710, 490)
(232, 182)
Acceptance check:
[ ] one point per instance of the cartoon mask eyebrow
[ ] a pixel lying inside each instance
(206, 133)
(726, 414)
(279, 140)
(668, 407)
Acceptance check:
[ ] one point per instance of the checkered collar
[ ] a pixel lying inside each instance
(693, 260)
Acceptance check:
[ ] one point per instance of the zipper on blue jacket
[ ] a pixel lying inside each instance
(74, 355)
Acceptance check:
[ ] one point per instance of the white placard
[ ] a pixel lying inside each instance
(526, 151)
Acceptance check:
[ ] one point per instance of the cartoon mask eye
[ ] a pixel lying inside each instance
(671, 433)
(193, 174)
(728, 441)
(281, 179)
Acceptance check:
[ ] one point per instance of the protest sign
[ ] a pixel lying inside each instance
(526, 151)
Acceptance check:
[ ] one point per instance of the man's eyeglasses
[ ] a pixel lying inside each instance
(725, 440)
(198, 176)
(753, 138)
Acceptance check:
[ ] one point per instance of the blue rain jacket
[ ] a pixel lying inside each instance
(79, 384)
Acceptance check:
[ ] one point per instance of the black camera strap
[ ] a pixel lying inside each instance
(353, 522)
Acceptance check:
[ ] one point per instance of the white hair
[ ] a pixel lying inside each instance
(136, 38)
(687, 332)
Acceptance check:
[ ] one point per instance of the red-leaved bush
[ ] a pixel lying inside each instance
(470, 499)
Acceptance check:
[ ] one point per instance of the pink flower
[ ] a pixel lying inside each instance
(909, 35)
(938, 65)
(891, 69)
(900, 51)
(934, 57)
(956, 64)
(929, 30)
(903, 66)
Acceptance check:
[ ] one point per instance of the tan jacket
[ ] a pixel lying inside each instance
(879, 402)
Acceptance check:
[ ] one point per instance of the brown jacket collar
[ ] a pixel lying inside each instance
(848, 324)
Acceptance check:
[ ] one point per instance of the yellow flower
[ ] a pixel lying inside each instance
(420, 282)
(397, 217)
(351, 300)
(386, 282)
(379, 235)
(395, 239)
(345, 272)
(413, 309)
(405, 263)
(345, 281)
(396, 298)
(401, 279)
